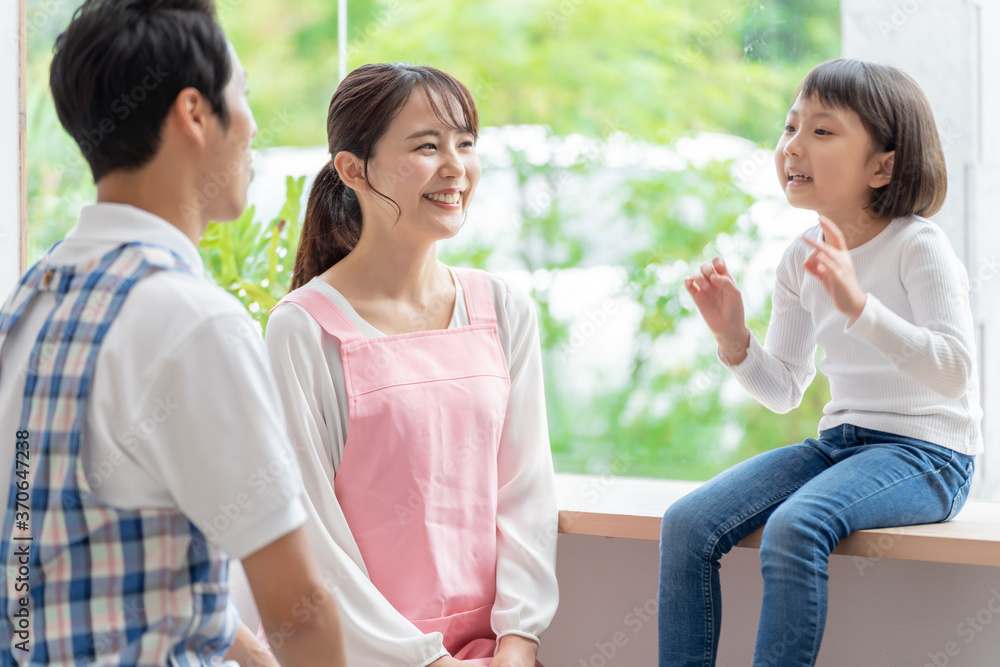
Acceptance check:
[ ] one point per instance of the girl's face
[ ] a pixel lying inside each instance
(429, 169)
(826, 161)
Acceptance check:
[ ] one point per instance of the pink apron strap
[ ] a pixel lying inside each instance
(478, 296)
(325, 313)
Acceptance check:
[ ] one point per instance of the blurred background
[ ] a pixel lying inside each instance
(623, 143)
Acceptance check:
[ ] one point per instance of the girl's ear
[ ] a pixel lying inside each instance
(883, 170)
(351, 170)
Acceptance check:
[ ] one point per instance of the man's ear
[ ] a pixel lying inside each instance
(883, 170)
(191, 113)
(351, 170)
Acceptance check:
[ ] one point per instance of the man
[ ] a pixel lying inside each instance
(144, 442)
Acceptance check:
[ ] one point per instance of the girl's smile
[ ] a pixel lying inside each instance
(798, 179)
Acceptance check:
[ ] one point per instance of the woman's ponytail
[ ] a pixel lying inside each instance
(331, 229)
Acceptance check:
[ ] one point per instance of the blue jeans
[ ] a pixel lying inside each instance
(808, 497)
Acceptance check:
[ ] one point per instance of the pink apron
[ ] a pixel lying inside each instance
(418, 478)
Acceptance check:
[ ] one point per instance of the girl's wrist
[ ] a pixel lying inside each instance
(857, 309)
(734, 345)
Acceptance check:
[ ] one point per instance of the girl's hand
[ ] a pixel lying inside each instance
(515, 651)
(714, 292)
(831, 263)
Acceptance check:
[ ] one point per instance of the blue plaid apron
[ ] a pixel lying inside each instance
(86, 583)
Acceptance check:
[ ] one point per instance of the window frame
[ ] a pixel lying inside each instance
(22, 85)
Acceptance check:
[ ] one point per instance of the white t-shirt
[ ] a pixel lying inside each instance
(907, 365)
(183, 412)
(310, 376)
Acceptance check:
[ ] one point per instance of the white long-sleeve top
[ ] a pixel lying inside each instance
(907, 365)
(310, 376)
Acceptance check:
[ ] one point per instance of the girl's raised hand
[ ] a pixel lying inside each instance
(831, 263)
(715, 293)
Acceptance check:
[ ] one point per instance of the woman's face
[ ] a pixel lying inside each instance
(429, 169)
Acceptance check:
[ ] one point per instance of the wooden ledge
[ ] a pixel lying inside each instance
(630, 507)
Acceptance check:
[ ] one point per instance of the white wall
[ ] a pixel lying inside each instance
(10, 161)
(887, 614)
(936, 42)
(950, 48)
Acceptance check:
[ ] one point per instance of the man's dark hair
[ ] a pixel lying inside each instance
(120, 65)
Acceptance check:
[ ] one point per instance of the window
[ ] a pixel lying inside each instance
(12, 230)
(623, 142)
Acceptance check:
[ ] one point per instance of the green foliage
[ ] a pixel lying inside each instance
(59, 180)
(655, 71)
(253, 261)
(790, 30)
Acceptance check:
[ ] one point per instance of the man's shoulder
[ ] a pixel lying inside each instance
(170, 304)
(183, 294)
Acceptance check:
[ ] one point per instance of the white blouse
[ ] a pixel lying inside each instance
(310, 376)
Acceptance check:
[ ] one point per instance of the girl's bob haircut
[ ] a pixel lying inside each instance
(898, 118)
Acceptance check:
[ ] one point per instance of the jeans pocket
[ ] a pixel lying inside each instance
(963, 493)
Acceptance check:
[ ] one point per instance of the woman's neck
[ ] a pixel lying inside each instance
(395, 289)
(389, 269)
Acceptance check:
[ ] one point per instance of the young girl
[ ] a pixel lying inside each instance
(877, 286)
(414, 392)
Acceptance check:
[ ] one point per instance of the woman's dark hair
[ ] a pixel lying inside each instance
(361, 110)
(120, 65)
(898, 118)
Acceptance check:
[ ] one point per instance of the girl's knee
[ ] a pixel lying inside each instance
(793, 531)
(687, 525)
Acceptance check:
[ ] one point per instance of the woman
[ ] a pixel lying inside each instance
(414, 391)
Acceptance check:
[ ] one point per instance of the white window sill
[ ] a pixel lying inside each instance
(631, 508)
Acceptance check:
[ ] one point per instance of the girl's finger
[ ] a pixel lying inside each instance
(812, 258)
(832, 232)
(819, 246)
(707, 270)
(830, 263)
(817, 270)
(720, 266)
(724, 282)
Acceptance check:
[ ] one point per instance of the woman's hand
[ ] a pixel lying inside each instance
(448, 661)
(714, 292)
(831, 263)
(515, 651)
